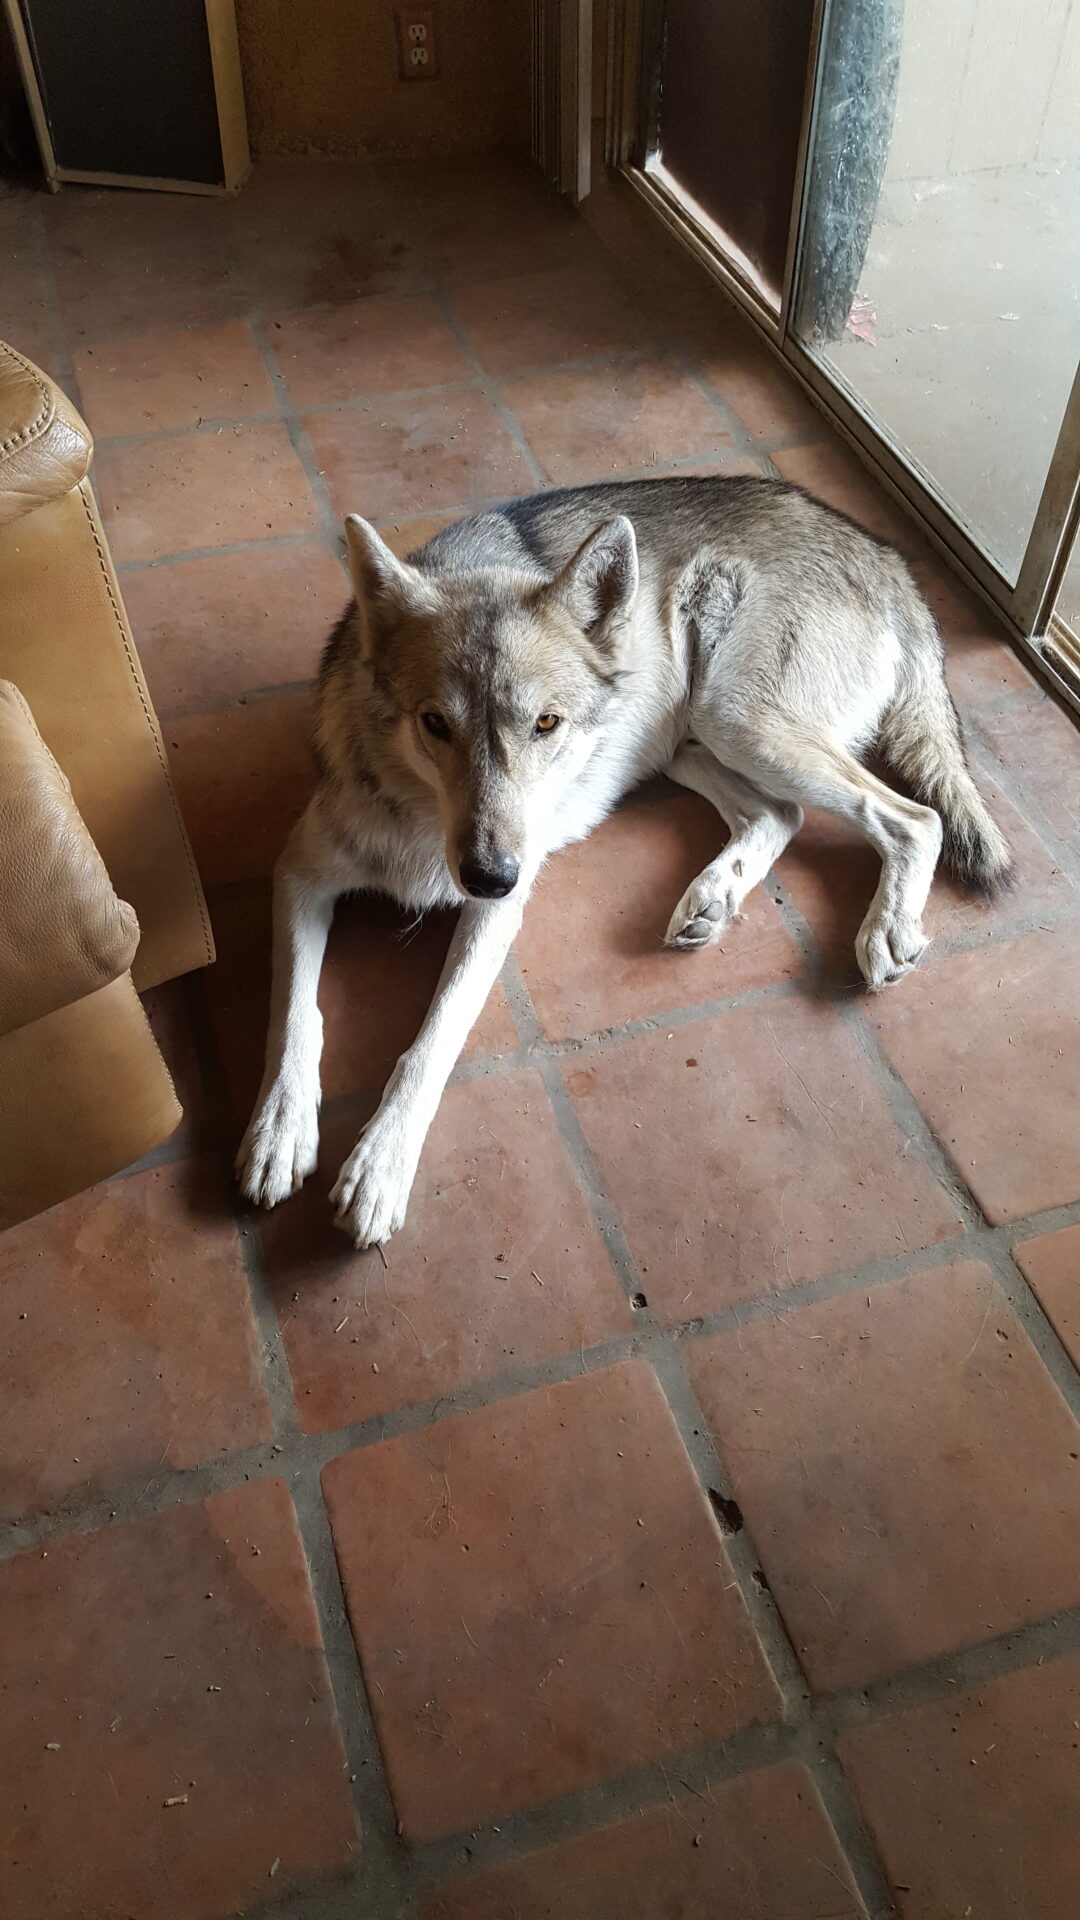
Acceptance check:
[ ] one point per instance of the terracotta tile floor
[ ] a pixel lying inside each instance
(683, 1518)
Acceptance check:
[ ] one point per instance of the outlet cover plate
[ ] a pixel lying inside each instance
(417, 55)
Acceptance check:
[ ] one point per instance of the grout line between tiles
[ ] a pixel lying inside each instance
(495, 394)
(378, 1865)
(383, 1860)
(904, 1109)
(311, 537)
(809, 1740)
(652, 1340)
(985, 757)
(1033, 1318)
(766, 1620)
(846, 1820)
(297, 432)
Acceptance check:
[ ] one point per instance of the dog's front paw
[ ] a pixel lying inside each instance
(702, 916)
(279, 1149)
(372, 1190)
(889, 944)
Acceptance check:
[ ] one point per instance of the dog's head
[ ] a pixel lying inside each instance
(494, 685)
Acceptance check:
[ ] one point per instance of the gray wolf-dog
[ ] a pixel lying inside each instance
(491, 699)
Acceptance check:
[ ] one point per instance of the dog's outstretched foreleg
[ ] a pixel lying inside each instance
(374, 1184)
(281, 1144)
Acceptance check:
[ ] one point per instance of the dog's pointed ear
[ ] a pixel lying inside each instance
(597, 587)
(383, 584)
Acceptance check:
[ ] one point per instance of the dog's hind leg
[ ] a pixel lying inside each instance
(800, 762)
(373, 1187)
(281, 1144)
(760, 830)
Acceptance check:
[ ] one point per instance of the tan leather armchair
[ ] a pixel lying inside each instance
(99, 895)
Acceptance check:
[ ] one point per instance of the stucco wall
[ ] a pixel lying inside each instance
(321, 75)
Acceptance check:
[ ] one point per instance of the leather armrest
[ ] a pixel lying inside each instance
(63, 932)
(44, 446)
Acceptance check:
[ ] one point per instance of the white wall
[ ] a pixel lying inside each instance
(986, 84)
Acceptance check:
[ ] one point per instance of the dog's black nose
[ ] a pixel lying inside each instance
(490, 879)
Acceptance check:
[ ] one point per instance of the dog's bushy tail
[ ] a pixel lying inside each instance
(920, 736)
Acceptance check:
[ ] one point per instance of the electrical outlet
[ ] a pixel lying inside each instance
(417, 59)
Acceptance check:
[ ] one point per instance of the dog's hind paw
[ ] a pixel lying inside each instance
(889, 944)
(372, 1190)
(278, 1151)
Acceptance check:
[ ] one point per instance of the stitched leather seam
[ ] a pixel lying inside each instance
(159, 749)
(151, 1036)
(26, 434)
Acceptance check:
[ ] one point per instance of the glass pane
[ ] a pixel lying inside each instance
(730, 102)
(941, 273)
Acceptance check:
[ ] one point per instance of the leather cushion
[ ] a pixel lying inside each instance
(63, 932)
(44, 446)
(82, 1094)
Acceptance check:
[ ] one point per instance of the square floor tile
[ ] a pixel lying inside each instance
(25, 305)
(1041, 749)
(543, 319)
(242, 778)
(972, 1799)
(591, 423)
(758, 1847)
(727, 467)
(540, 1598)
(113, 255)
(1003, 1020)
(128, 1338)
(751, 1153)
(414, 455)
(1051, 1266)
(379, 345)
(315, 232)
(187, 491)
(499, 1264)
(691, 311)
(132, 263)
(405, 537)
(34, 335)
(591, 950)
(167, 1732)
(766, 398)
(907, 1469)
(377, 983)
(980, 665)
(485, 216)
(833, 474)
(163, 380)
(831, 874)
(212, 628)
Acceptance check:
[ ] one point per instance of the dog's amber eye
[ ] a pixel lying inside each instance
(547, 723)
(436, 725)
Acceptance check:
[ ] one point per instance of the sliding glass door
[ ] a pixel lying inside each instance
(891, 188)
(728, 112)
(939, 280)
